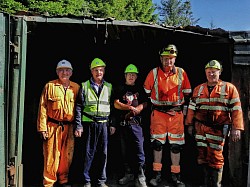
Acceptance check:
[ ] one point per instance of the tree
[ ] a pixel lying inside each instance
(176, 13)
(139, 10)
(11, 6)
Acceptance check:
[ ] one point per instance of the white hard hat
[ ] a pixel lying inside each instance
(64, 64)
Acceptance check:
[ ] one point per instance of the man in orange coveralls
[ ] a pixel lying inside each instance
(214, 107)
(168, 87)
(55, 124)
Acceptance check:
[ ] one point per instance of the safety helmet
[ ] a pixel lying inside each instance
(97, 62)
(131, 68)
(214, 64)
(170, 50)
(64, 64)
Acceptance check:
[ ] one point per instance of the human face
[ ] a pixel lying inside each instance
(167, 62)
(130, 78)
(213, 76)
(64, 74)
(98, 74)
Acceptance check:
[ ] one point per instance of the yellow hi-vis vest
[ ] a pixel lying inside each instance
(94, 105)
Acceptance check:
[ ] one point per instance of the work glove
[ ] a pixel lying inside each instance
(236, 134)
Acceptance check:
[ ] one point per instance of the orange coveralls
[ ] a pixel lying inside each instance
(210, 113)
(167, 91)
(58, 104)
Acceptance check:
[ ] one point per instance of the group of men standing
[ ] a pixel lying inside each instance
(67, 109)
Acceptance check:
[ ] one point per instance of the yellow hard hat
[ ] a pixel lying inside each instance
(131, 68)
(214, 64)
(170, 50)
(97, 62)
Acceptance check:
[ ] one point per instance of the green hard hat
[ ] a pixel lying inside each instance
(97, 62)
(214, 64)
(131, 68)
(170, 50)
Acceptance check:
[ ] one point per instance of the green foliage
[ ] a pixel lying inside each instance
(58, 8)
(138, 10)
(176, 13)
(11, 6)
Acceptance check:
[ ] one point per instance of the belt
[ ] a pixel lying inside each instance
(214, 125)
(60, 123)
(166, 108)
(96, 118)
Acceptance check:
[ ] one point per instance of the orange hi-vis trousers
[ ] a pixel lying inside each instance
(169, 125)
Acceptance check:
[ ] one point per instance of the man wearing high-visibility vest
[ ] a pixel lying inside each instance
(168, 88)
(92, 119)
(214, 108)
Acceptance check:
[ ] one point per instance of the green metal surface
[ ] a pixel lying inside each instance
(4, 37)
(18, 74)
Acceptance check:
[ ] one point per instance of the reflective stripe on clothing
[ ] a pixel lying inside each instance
(163, 124)
(210, 143)
(167, 90)
(221, 106)
(94, 105)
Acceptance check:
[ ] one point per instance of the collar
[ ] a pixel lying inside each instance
(93, 83)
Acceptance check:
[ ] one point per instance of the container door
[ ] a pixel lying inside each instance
(13, 36)
(4, 51)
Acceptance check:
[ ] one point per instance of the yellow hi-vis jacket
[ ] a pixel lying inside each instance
(94, 105)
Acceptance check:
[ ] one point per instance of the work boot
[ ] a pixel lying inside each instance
(102, 185)
(216, 177)
(141, 180)
(87, 185)
(176, 177)
(126, 179)
(156, 180)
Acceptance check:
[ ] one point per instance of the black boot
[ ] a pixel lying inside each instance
(155, 181)
(176, 177)
(128, 176)
(216, 177)
(205, 175)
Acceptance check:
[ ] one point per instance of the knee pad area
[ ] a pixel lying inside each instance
(157, 145)
(175, 148)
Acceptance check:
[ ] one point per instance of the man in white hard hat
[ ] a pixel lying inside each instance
(55, 125)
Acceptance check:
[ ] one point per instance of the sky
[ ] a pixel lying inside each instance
(229, 15)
